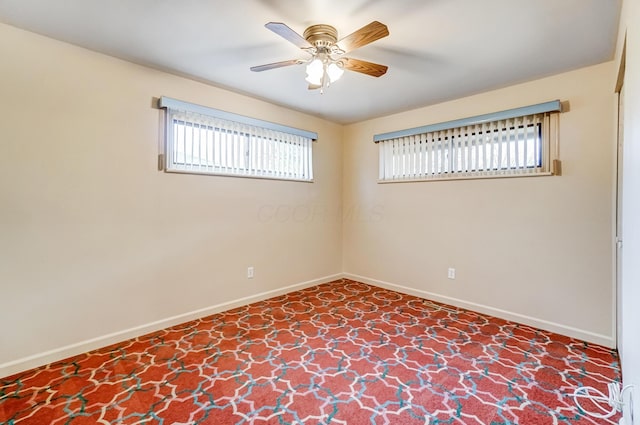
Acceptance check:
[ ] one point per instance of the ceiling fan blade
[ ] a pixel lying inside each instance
(364, 67)
(288, 34)
(365, 35)
(269, 66)
(314, 86)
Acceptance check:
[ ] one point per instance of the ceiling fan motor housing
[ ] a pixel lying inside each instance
(321, 36)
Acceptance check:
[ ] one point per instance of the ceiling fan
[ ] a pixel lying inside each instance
(327, 61)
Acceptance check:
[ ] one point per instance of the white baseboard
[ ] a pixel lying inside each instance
(584, 335)
(39, 359)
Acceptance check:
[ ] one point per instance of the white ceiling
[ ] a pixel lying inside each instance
(437, 50)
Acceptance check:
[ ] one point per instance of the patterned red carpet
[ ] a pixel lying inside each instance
(339, 353)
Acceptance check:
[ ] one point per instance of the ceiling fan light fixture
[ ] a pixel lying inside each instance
(335, 71)
(315, 72)
(323, 70)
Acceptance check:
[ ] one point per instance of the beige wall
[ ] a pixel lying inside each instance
(629, 281)
(536, 249)
(94, 240)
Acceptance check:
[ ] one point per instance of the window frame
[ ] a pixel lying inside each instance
(545, 116)
(221, 127)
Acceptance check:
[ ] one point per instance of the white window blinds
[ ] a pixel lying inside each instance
(198, 141)
(511, 146)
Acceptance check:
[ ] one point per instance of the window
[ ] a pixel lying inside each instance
(208, 141)
(518, 142)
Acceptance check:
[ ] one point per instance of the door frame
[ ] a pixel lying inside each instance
(617, 225)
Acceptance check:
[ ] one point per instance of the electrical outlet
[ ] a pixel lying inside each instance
(250, 272)
(451, 273)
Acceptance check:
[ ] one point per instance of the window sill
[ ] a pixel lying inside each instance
(475, 177)
(247, 176)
